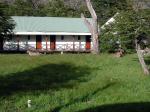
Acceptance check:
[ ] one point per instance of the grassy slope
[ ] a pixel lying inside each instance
(69, 83)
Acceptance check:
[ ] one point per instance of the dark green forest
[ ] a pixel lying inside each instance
(70, 8)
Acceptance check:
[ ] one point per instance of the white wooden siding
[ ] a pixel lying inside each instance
(61, 45)
(67, 43)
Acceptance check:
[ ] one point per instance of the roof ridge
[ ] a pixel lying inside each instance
(45, 16)
(48, 17)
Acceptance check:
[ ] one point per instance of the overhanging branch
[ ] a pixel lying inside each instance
(91, 9)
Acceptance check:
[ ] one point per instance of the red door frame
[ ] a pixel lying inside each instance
(88, 42)
(52, 42)
(38, 42)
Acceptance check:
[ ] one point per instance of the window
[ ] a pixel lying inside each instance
(62, 37)
(79, 38)
(28, 37)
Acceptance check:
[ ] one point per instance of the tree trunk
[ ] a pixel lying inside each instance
(93, 27)
(95, 42)
(141, 59)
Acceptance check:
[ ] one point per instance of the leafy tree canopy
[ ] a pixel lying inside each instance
(6, 23)
(49, 8)
(107, 8)
(128, 26)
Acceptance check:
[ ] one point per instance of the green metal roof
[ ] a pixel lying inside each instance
(49, 24)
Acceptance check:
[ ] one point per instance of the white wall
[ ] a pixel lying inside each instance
(66, 44)
(32, 42)
(10, 44)
(24, 43)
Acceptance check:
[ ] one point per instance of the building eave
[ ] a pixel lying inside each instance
(50, 33)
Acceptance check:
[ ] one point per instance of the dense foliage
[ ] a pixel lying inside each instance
(49, 8)
(6, 23)
(105, 9)
(128, 26)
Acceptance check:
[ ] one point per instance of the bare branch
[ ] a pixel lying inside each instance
(141, 59)
(91, 9)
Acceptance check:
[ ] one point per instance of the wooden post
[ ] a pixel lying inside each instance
(17, 42)
(27, 42)
(93, 27)
(46, 42)
(73, 43)
(141, 59)
(80, 46)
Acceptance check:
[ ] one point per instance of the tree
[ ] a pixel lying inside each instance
(59, 8)
(44, 8)
(6, 23)
(93, 27)
(105, 9)
(127, 27)
(25, 8)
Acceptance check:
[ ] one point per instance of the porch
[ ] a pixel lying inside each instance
(49, 43)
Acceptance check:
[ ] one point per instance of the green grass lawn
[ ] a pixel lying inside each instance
(73, 83)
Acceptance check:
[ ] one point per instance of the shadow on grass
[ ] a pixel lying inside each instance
(85, 98)
(51, 76)
(125, 107)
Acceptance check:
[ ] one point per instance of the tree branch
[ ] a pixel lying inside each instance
(141, 59)
(92, 11)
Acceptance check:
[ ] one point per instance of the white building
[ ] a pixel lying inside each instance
(48, 34)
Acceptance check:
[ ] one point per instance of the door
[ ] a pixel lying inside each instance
(52, 42)
(1, 43)
(38, 42)
(88, 42)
